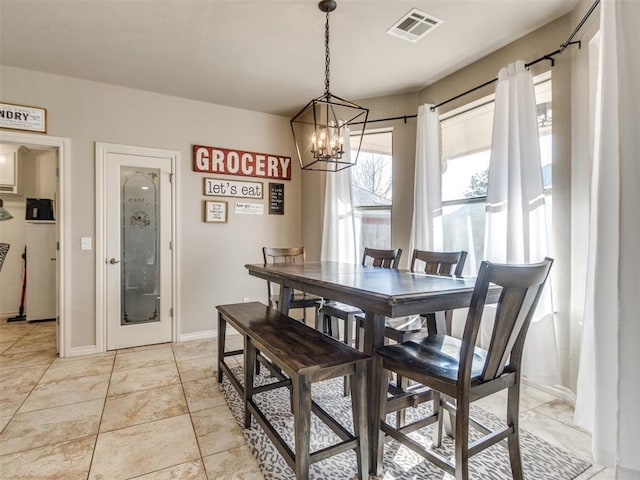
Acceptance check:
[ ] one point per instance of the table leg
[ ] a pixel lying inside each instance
(284, 300)
(373, 339)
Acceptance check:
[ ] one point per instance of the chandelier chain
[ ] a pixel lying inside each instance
(327, 57)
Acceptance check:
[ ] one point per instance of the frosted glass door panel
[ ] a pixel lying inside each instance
(140, 237)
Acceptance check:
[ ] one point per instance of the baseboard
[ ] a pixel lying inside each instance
(77, 351)
(558, 391)
(186, 337)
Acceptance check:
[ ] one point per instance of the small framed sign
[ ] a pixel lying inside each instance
(23, 117)
(215, 212)
(220, 187)
(276, 198)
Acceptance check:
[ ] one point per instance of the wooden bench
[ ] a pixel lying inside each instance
(297, 355)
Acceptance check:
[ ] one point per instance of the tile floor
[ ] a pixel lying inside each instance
(156, 413)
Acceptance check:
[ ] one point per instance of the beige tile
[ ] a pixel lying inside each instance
(65, 392)
(128, 381)
(590, 472)
(558, 410)
(62, 461)
(496, 404)
(203, 394)
(68, 369)
(21, 376)
(195, 349)
(24, 359)
(185, 471)
(216, 430)
(12, 398)
(140, 407)
(145, 347)
(573, 440)
(605, 474)
(234, 464)
(532, 397)
(5, 345)
(198, 368)
(143, 358)
(144, 448)
(51, 425)
(4, 420)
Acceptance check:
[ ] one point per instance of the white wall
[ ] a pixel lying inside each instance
(212, 255)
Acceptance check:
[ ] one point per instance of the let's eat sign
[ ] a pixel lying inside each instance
(225, 161)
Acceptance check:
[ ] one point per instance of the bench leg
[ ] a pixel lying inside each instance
(249, 369)
(222, 329)
(302, 421)
(358, 404)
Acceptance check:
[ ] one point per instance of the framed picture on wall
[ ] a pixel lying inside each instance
(215, 211)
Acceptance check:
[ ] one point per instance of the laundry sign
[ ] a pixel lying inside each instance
(237, 162)
(23, 117)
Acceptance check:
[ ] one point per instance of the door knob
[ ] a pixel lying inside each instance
(113, 261)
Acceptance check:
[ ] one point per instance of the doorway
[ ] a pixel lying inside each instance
(58, 151)
(135, 255)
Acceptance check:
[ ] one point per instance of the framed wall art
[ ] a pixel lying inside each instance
(215, 211)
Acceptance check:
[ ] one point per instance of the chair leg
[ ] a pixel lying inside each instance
(437, 427)
(348, 339)
(462, 439)
(401, 415)
(513, 402)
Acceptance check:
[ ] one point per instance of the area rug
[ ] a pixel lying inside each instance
(541, 460)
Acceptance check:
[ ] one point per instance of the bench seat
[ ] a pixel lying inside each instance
(297, 355)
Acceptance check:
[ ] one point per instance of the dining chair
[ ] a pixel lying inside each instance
(401, 329)
(299, 300)
(459, 373)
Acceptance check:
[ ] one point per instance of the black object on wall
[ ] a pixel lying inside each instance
(39, 209)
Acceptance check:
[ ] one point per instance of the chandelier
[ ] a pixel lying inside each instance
(321, 130)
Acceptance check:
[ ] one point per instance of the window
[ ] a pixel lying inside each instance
(466, 150)
(371, 182)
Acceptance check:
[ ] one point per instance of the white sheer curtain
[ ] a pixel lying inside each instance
(515, 228)
(338, 232)
(609, 379)
(426, 226)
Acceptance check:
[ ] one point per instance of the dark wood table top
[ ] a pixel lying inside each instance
(388, 292)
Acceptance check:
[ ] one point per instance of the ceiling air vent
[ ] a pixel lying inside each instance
(414, 25)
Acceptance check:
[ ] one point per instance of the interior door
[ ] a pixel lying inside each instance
(138, 217)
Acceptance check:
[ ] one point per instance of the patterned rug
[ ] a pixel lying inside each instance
(541, 460)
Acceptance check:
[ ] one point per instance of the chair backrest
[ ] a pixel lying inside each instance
(382, 258)
(440, 263)
(280, 255)
(283, 255)
(522, 286)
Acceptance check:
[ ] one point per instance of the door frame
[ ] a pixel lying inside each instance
(63, 227)
(101, 151)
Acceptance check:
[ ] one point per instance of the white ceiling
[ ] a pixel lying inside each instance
(256, 54)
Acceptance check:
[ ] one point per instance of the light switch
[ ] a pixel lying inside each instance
(85, 243)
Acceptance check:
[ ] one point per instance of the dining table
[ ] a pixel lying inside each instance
(379, 293)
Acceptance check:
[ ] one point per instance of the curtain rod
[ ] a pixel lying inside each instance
(548, 56)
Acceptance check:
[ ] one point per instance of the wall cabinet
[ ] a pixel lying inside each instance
(41, 271)
(8, 170)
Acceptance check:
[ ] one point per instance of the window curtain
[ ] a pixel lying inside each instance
(426, 226)
(515, 227)
(609, 379)
(338, 232)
